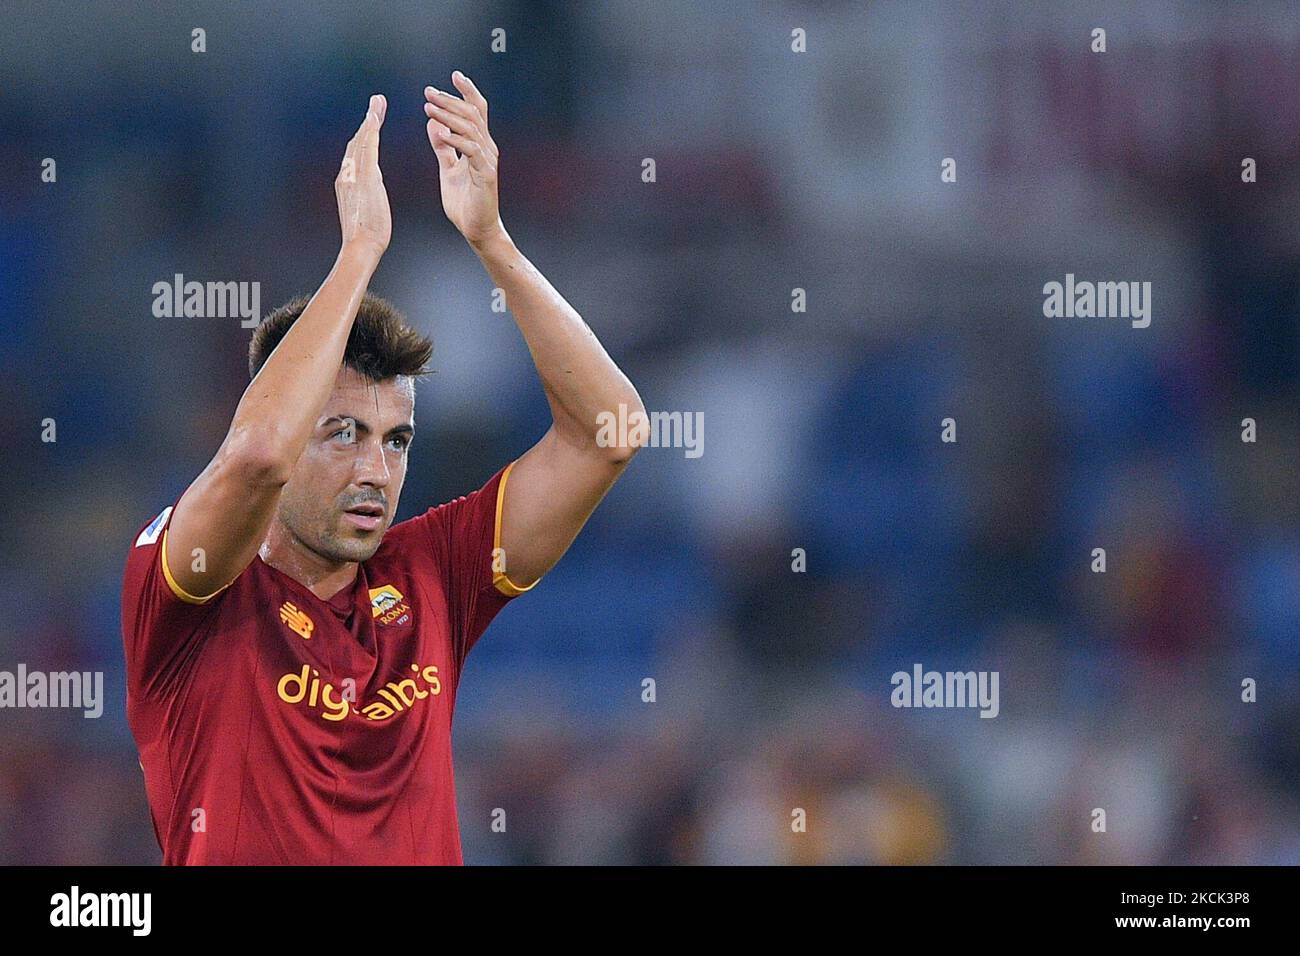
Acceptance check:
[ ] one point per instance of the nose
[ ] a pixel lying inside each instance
(371, 465)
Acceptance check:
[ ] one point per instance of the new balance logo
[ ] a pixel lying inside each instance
(297, 620)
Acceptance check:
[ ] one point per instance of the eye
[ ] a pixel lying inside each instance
(400, 442)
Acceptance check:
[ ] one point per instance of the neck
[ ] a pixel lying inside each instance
(322, 576)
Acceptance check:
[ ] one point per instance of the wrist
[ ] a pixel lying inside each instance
(362, 252)
(494, 244)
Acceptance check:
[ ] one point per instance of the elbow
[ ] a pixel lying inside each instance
(621, 430)
(259, 461)
(634, 436)
(619, 457)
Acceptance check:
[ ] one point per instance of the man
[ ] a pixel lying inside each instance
(292, 660)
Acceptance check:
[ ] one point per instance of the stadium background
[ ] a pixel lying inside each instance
(776, 170)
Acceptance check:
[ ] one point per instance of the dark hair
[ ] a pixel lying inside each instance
(380, 346)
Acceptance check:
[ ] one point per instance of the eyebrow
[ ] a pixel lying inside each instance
(362, 428)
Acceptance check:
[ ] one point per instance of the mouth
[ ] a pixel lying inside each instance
(367, 517)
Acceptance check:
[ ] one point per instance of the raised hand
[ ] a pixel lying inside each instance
(359, 188)
(468, 182)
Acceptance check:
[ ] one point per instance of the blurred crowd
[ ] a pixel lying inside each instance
(770, 737)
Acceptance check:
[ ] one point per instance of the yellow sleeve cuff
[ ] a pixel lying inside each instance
(499, 579)
(177, 590)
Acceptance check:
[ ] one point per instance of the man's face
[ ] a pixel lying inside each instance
(344, 489)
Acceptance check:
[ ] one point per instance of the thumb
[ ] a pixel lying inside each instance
(367, 137)
(368, 131)
(445, 152)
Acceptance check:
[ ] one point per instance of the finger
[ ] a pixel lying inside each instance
(368, 135)
(456, 105)
(357, 151)
(350, 151)
(470, 92)
(370, 124)
(453, 121)
(446, 153)
(470, 148)
(459, 124)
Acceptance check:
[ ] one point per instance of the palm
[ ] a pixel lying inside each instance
(359, 188)
(457, 193)
(468, 181)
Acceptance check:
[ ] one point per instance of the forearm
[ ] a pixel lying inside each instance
(278, 410)
(578, 376)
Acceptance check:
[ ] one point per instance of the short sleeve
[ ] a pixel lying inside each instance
(161, 623)
(466, 540)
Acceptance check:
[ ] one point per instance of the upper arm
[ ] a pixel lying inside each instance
(219, 522)
(188, 555)
(160, 630)
(463, 535)
(552, 490)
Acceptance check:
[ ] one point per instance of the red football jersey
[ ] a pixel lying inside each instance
(278, 728)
